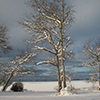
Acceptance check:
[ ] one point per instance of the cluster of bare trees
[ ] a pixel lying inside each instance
(48, 24)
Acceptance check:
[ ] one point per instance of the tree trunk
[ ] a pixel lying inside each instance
(64, 79)
(63, 67)
(7, 82)
(59, 81)
(62, 57)
(99, 77)
(58, 74)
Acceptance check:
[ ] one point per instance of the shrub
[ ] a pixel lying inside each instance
(17, 87)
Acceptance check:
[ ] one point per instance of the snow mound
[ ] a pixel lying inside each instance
(64, 92)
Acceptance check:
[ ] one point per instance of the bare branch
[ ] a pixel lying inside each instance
(43, 48)
(46, 62)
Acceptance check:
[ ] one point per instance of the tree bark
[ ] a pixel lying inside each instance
(58, 74)
(59, 81)
(62, 52)
(62, 57)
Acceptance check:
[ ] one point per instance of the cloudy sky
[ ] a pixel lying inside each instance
(86, 25)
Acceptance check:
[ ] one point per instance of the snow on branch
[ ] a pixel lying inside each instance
(91, 63)
(65, 46)
(43, 48)
(48, 17)
(46, 62)
(70, 54)
(36, 40)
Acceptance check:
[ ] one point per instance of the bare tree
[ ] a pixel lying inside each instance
(4, 39)
(15, 67)
(92, 51)
(3, 75)
(49, 23)
(93, 79)
(4, 47)
(69, 76)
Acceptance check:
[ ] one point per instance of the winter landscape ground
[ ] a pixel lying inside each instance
(46, 91)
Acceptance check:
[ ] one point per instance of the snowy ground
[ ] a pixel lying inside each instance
(46, 91)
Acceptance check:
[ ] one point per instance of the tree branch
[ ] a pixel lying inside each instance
(46, 62)
(43, 48)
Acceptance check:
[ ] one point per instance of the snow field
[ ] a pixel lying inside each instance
(46, 91)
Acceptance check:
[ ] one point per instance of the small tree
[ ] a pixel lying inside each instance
(4, 47)
(93, 79)
(15, 67)
(69, 77)
(92, 51)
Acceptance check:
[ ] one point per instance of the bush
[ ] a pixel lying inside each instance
(17, 87)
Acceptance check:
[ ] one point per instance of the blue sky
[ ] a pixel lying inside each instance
(86, 25)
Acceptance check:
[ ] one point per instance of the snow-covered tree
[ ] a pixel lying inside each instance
(4, 39)
(93, 79)
(69, 77)
(92, 51)
(4, 47)
(15, 67)
(48, 24)
(3, 76)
